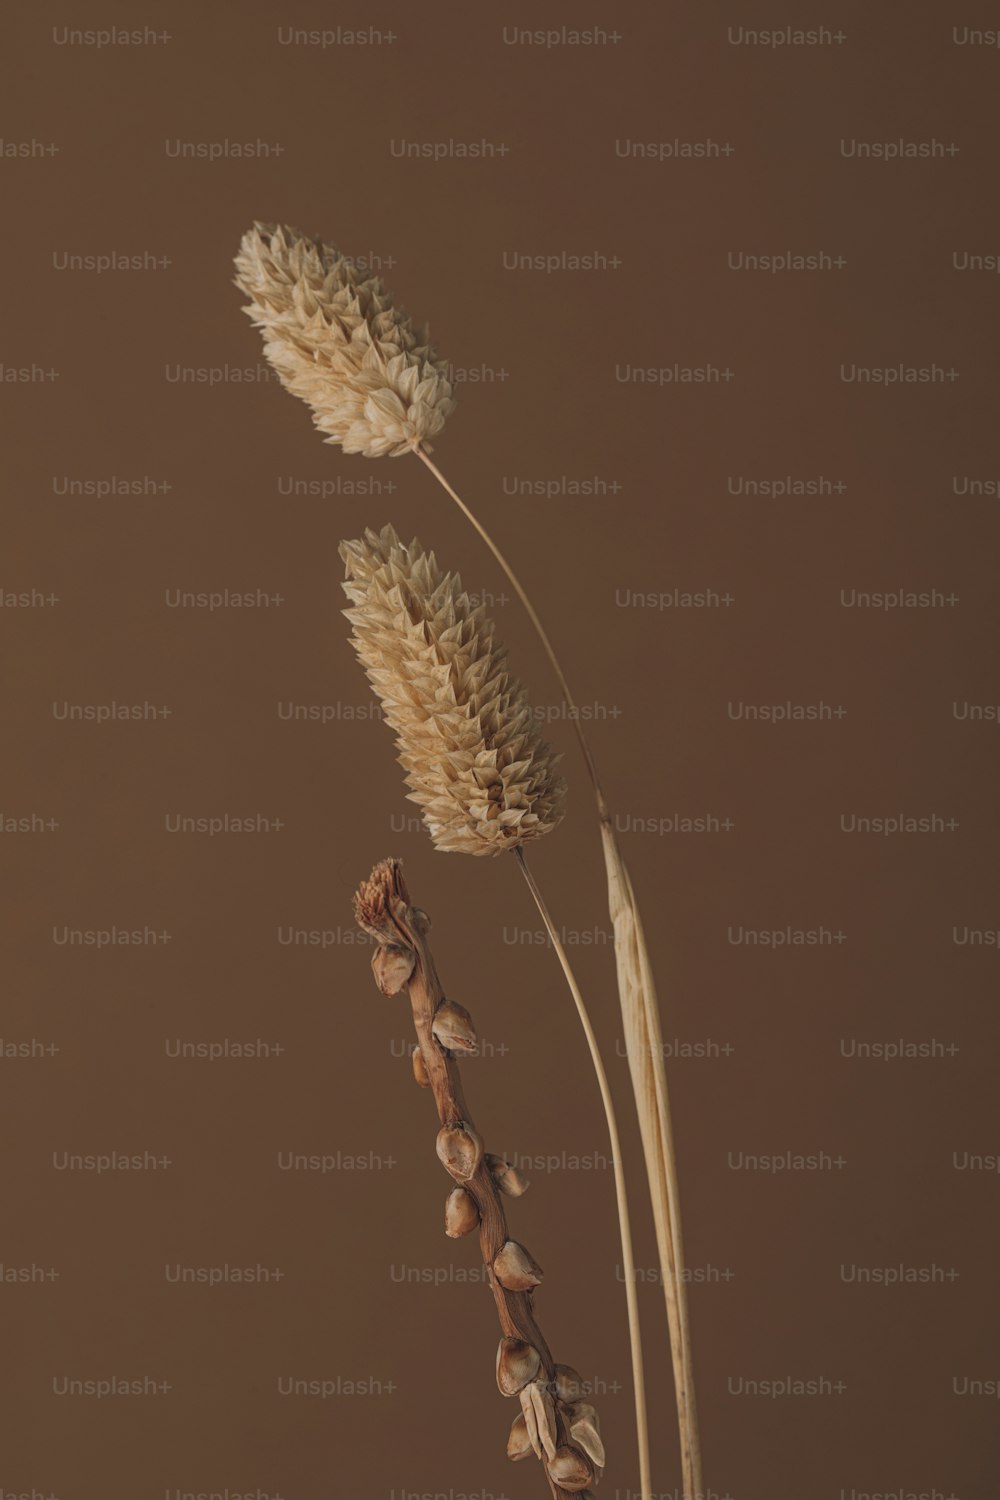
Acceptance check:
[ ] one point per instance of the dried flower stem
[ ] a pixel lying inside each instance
(515, 584)
(643, 1043)
(628, 1257)
(525, 1365)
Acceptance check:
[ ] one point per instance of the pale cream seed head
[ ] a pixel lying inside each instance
(338, 341)
(476, 764)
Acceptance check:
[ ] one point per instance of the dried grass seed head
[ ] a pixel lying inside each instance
(337, 340)
(476, 765)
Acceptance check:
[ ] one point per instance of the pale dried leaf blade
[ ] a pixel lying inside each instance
(644, 1048)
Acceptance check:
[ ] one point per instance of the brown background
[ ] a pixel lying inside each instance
(352, 1244)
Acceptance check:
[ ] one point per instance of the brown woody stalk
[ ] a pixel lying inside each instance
(554, 1420)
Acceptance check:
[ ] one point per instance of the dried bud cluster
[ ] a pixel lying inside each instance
(555, 1422)
(535, 1430)
(339, 343)
(545, 1406)
(573, 1465)
(475, 763)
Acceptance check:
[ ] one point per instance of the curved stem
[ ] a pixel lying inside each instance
(533, 617)
(637, 992)
(628, 1259)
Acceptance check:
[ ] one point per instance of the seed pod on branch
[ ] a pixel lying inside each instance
(461, 1216)
(519, 1444)
(420, 1072)
(570, 1469)
(568, 1383)
(507, 1178)
(453, 1028)
(392, 966)
(459, 1150)
(516, 1269)
(517, 1363)
(584, 1430)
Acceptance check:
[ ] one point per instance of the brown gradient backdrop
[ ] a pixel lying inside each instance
(902, 1180)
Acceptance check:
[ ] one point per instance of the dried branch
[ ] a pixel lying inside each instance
(555, 1421)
